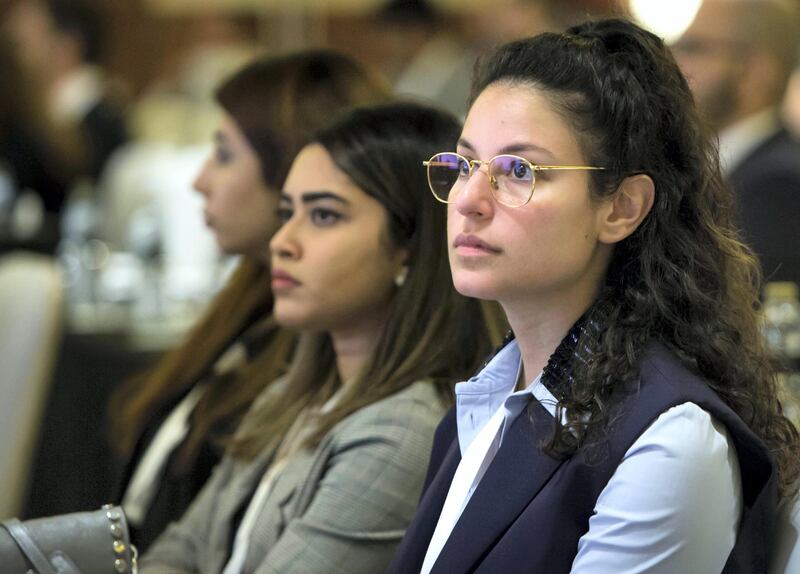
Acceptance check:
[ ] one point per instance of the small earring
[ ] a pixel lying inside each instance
(400, 278)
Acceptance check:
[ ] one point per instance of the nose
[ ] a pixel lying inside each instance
(285, 244)
(474, 199)
(201, 182)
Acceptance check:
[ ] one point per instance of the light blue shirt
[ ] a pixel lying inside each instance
(674, 502)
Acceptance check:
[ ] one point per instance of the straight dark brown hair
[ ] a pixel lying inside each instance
(431, 333)
(277, 103)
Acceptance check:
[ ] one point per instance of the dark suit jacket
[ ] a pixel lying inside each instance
(530, 510)
(105, 130)
(767, 187)
(30, 163)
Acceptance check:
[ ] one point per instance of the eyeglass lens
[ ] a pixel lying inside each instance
(511, 178)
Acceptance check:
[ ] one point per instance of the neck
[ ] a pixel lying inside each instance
(354, 345)
(540, 327)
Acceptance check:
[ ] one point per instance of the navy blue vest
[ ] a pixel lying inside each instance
(525, 491)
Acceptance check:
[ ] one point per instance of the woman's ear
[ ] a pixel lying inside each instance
(627, 209)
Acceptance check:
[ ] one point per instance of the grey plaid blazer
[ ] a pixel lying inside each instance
(342, 508)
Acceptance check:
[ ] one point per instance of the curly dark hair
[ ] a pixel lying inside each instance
(683, 278)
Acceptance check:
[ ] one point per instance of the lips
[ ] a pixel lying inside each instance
(472, 245)
(283, 281)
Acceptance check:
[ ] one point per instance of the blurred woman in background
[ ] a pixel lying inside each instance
(35, 166)
(325, 472)
(168, 425)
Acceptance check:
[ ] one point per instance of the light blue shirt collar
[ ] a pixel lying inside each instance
(492, 388)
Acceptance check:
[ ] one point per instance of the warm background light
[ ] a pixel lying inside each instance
(667, 19)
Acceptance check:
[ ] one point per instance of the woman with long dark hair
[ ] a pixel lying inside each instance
(168, 426)
(326, 469)
(631, 424)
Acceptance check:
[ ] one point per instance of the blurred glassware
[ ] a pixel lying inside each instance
(78, 226)
(122, 279)
(782, 332)
(28, 215)
(137, 257)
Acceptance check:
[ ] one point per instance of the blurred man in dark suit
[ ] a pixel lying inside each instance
(737, 56)
(60, 41)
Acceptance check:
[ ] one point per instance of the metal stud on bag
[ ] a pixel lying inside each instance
(75, 542)
(118, 533)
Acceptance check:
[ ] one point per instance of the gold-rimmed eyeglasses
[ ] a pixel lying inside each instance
(511, 178)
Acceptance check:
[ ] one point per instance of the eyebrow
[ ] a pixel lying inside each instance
(312, 196)
(513, 148)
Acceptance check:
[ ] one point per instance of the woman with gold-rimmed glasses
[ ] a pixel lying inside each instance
(630, 423)
(512, 178)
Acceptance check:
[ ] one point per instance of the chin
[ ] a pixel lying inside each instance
(287, 317)
(293, 323)
(225, 247)
(473, 285)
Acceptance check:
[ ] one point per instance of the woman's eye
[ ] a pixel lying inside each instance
(463, 168)
(521, 170)
(324, 217)
(222, 155)
(284, 214)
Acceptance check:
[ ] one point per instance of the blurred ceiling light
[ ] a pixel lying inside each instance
(666, 19)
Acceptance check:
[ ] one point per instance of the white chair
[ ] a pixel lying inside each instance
(786, 552)
(31, 294)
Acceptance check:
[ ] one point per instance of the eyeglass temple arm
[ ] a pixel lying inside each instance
(567, 167)
(478, 163)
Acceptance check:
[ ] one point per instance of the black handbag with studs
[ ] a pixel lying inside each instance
(80, 543)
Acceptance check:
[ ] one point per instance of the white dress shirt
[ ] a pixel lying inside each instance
(672, 505)
(737, 141)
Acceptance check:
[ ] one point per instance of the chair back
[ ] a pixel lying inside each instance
(31, 293)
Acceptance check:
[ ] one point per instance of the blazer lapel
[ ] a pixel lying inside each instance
(412, 550)
(518, 472)
(277, 510)
(234, 497)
